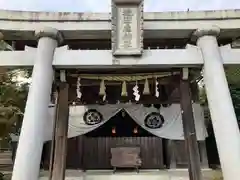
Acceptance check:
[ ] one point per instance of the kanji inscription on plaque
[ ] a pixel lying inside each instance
(127, 25)
(127, 22)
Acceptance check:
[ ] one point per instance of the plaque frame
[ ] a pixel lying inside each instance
(116, 5)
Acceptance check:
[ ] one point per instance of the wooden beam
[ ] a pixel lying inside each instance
(55, 100)
(194, 166)
(52, 150)
(59, 165)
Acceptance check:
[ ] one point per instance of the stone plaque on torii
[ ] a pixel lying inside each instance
(127, 27)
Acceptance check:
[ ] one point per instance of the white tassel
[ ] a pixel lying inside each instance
(102, 90)
(146, 90)
(124, 89)
(78, 90)
(156, 88)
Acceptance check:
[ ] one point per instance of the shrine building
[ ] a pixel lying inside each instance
(120, 91)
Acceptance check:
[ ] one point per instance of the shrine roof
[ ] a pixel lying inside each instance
(22, 24)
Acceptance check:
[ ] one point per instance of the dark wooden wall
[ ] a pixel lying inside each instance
(156, 153)
(74, 153)
(177, 157)
(97, 154)
(94, 152)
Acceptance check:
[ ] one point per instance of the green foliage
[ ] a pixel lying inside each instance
(235, 93)
(5, 46)
(12, 101)
(5, 176)
(1, 176)
(12, 98)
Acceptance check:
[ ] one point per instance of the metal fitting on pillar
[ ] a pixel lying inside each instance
(49, 32)
(208, 31)
(63, 76)
(185, 73)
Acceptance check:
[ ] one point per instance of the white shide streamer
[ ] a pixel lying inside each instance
(78, 90)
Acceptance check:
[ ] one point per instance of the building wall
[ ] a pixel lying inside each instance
(94, 152)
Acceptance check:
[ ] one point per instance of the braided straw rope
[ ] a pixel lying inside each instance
(124, 77)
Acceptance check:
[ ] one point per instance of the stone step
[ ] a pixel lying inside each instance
(142, 175)
(7, 154)
(6, 161)
(6, 157)
(7, 168)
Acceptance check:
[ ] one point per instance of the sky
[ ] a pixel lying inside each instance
(105, 5)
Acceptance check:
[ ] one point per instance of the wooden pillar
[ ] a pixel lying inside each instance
(61, 131)
(53, 139)
(194, 166)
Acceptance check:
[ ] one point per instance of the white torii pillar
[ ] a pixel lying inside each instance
(220, 103)
(29, 151)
